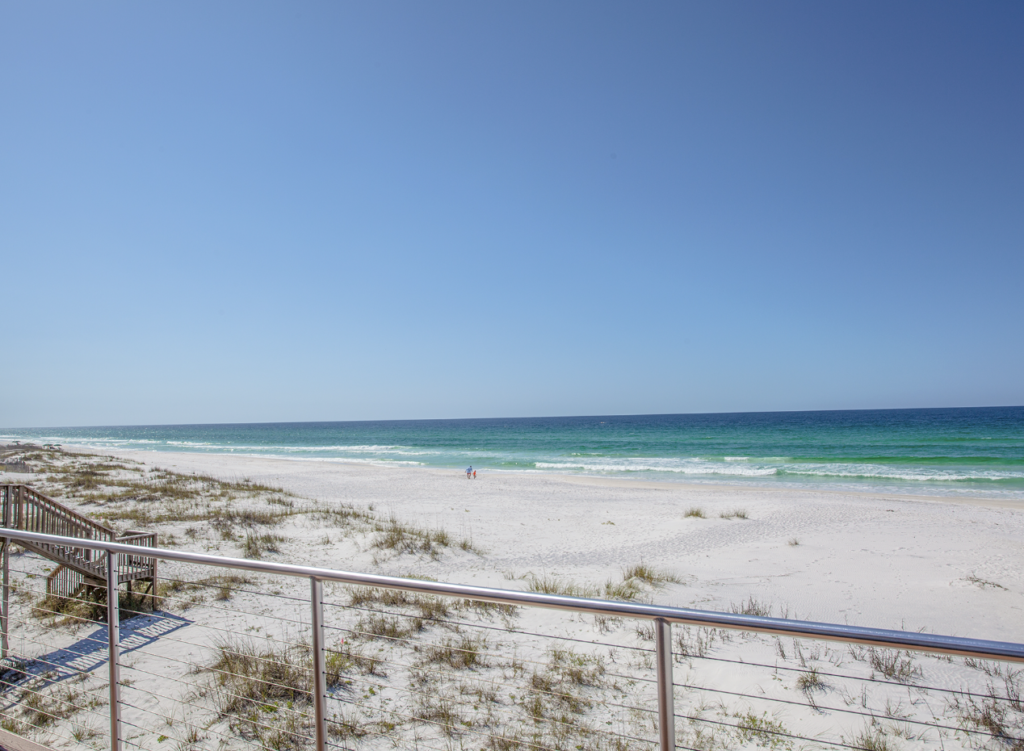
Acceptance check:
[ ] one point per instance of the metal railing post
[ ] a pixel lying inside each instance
(666, 703)
(113, 648)
(6, 554)
(319, 664)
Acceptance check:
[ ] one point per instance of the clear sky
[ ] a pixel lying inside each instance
(251, 211)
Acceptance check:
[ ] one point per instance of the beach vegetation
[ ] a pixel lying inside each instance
(265, 692)
(696, 641)
(462, 654)
(983, 583)
(509, 739)
(82, 732)
(649, 575)
(695, 512)
(429, 608)
(734, 514)
(552, 585)
(644, 631)
(383, 626)
(398, 537)
(42, 703)
(873, 738)
(810, 681)
(999, 711)
(751, 606)
(894, 664)
(627, 590)
(182, 594)
(557, 687)
(442, 711)
(349, 656)
(763, 731)
(88, 605)
(256, 544)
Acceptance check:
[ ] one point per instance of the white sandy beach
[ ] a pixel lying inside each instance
(948, 567)
(881, 561)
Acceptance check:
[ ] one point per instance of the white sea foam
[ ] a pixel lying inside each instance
(751, 468)
(882, 472)
(677, 466)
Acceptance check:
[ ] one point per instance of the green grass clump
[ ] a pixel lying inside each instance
(695, 512)
(763, 731)
(380, 625)
(255, 545)
(894, 664)
(550, 585)
(466, 653)
(811, 681)
(398, 537)
(873, 738)
(752, 606)
(649, 575)
(734, 514)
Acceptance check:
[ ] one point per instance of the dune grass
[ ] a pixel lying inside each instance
(734, 514)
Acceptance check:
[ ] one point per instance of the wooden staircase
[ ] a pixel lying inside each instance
(26, 509)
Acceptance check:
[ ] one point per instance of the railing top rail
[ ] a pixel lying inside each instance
(883, 638)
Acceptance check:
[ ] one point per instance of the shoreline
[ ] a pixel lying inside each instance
(583, 479)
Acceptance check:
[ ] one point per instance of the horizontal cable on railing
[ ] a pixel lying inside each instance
(224, 672)
(369, 635)
(545, 720)
(502, 629)
(348, 700)
(769, 732)
(846, 676)
(212, 585)
(822, 708)
(41, 609)
(62, 701)
(413, 718)
(416, 643)
(233, 632)
(55, 665)
(246, 720)
(17, 722)
(478, 679)
(257, 744)
(196, 706)
(219, 609)
(68, 598)
(169, 721)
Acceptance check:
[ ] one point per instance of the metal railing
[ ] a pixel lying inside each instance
(666, 650)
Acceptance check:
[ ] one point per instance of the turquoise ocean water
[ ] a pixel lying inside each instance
(966, 452)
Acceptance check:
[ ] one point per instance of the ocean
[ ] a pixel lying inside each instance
(975, 452)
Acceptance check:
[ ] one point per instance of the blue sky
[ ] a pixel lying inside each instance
(247, 211)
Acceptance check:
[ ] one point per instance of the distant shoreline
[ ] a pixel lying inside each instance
(153, 457)
(973, 453)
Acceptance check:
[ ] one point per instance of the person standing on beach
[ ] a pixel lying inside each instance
(469, 472)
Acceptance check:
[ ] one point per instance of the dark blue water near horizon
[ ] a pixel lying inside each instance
(955, 451)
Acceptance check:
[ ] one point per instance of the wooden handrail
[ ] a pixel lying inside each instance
(24, 508)
(53, 514)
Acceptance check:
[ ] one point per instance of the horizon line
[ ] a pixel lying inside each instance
(533, 417)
